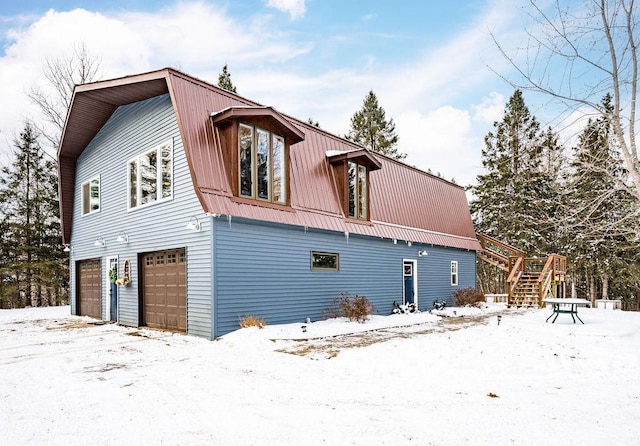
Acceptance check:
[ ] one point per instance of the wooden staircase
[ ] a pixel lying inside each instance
(530, 279)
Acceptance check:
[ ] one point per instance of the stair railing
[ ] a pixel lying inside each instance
(516, 266)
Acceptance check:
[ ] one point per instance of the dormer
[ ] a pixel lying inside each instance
(255, 144)
(351, 172)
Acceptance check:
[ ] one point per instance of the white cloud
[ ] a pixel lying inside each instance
(442, 141)
(295, 8)
(267, 65)
(491, 109)
(194, 36)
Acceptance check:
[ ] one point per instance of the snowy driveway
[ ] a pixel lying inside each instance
(65, 381)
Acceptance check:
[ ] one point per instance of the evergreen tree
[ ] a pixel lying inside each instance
(370, 128)
(224, 80)
(596, 208)
(32, 263)
(516, 199)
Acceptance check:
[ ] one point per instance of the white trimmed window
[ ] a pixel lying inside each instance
(358, 201)
(454, 273)
(262, 165)
(150, 176)
(91, 196)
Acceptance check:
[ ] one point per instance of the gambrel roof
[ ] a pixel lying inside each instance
(406, 203)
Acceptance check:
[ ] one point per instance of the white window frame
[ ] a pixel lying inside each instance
(82, 196)
(454, 273)
(159, 171)
(271, 136)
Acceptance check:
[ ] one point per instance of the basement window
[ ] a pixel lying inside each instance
(91, 196)
(325, 261)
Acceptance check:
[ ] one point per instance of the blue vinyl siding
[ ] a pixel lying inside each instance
(264, 269)
(132, 130)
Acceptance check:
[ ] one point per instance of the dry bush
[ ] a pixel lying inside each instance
(251, 320)
(355, 308)
(467, 296)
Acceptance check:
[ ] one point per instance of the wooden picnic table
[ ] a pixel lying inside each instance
(566, 306)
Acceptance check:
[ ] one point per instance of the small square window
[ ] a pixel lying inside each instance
(181, 258)
(148, 260)
(325, 260)
(171, 258)
(160, 259)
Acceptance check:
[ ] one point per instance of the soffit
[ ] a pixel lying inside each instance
(93, 104)
(248, 113)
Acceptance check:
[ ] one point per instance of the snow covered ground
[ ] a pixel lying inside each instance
(416, 380)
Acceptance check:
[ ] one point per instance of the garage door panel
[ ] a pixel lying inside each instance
(164, 290)
(89, 288)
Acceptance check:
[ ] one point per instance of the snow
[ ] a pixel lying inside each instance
(415, 379)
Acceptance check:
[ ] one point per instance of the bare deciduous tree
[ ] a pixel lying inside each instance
(62, 73)
(593, 45)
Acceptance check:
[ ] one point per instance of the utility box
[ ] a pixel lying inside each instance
(609, 304)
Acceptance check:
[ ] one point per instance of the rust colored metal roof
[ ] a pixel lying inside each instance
(405, 203)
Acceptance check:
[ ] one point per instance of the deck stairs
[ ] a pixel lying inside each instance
(529, 280)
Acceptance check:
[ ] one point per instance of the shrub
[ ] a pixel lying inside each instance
(355, 308)
(251, 320)
(467, 296)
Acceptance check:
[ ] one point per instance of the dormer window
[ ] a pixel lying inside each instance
(351, 171)
(262, 173)
(255, 143)
(358, 191)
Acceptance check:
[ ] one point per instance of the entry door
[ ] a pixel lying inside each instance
(112, 289)
(409, 277)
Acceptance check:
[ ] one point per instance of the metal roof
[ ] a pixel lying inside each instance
(406, 204)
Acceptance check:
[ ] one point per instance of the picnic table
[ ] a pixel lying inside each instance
(566, 306)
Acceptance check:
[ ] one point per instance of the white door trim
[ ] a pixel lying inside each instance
(414, 270)
(107, 284)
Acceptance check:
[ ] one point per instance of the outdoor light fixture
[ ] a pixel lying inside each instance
(395, 241)
(194, 224)
(100, 242)
(408, 243)
(67, 247)
(122, 237)
(423, 253)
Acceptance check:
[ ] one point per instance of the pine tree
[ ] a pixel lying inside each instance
(32, 263)
(224, 80)
(596, 208)
(370, 128)
(517, 198)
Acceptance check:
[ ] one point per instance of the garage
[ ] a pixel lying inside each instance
(89, 299)
(164, 291)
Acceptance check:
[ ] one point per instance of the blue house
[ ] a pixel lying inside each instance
(205, 206)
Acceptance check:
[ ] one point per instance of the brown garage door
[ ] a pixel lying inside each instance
(89, 299)
(164, 294)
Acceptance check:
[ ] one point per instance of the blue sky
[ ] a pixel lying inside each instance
(427, 61)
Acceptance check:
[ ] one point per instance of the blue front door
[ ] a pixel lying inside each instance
(113, 291)
(409, 297)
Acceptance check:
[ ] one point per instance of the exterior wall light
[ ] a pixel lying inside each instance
(67, 247)
(423, 253)
(100, 241)
(194, 224)
(408, 243)
(122, 237)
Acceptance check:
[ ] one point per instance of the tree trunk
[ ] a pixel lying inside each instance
(605, 286)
